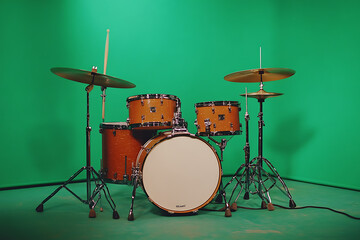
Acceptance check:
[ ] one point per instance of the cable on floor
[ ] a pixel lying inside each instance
(317, 207)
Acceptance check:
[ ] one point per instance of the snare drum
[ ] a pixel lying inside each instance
(181, 173)
(120, 146)
(152, 111)
(217, 118)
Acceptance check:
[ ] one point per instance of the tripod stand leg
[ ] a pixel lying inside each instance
(106, 191)
(222, 194)
(286, 190)
(40, 208)
(260, 187)
(131, 212)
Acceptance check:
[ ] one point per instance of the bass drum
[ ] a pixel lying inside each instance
(181, 173)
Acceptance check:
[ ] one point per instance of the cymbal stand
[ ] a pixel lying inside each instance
(258, 162)
(254, 171)
(91, 174)
(246, 167)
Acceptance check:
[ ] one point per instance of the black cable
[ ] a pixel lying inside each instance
(326, 208)
(318, 207)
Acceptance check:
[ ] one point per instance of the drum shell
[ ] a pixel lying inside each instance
(223, 116)
(154, 111)
(159, 139)
(118, 144)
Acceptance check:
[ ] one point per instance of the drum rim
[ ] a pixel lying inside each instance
(217, 103)
(114, 125)
(151, 124)
(169, 136)
(219, 133)
(151, 96)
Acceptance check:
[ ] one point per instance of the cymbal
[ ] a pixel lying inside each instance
(261, 94)
(253, 75)
(87, 77)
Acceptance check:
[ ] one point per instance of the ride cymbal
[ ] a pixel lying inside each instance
(262, 94)
(253, 75)
(87, 77)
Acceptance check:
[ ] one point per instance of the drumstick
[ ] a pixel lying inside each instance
(105, 66)
(260, 57)
(106, 51)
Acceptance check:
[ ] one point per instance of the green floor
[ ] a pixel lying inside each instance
(65, 217)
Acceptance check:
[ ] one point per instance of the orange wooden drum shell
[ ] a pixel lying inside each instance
(115, 147)
(226, 121)
(152, 113)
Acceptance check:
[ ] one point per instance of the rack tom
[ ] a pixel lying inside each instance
(152, 111)
(217, 118)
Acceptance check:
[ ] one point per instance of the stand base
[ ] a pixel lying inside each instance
(253, 175)
(100, 185)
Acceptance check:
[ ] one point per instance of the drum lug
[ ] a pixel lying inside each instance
(161, 100)
(142, 100)
(142, 117)
(221, 117)
(162, 116)
(207, 125)
(114, 132)
(128, 121)
(196, 124)
(229, 106)
(196, 111)
(100, 130)
(213, 110)
(127, 105)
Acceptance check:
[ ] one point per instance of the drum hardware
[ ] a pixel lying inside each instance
(222, 194)
(253, 170)
(92, 78)
(186, 194)
(125, 176)
(135, 178)
(179, 123)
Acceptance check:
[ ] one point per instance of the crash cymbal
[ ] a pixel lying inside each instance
(87, 77)
(261, 94)
(253, 75)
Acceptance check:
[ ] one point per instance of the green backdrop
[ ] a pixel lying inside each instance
(183, 48)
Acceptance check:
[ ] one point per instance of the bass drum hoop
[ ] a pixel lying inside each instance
(163, 137)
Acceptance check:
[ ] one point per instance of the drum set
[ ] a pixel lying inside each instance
(180, 172)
